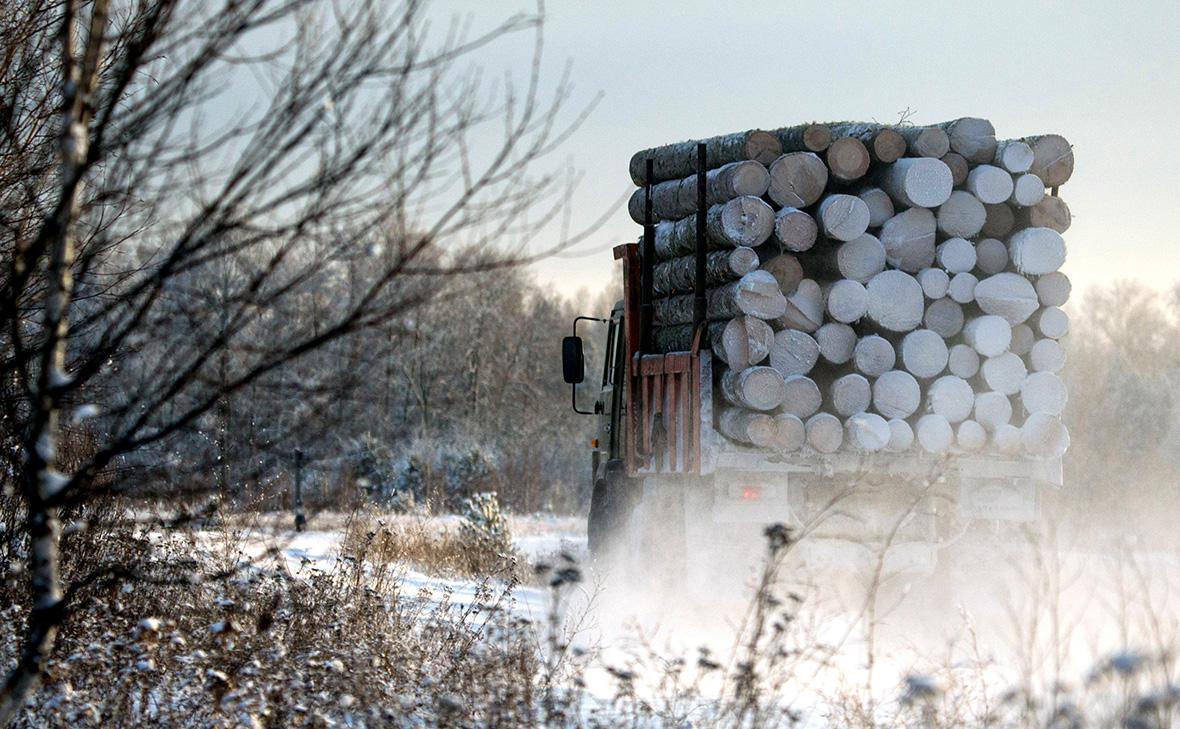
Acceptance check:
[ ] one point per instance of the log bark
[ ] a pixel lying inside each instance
(879, 203)
(793, 352)
(790, 433)
(1044, 392)
(847, 159)
(825, 433)
(1023, 339)
(925, 141)
(972, 137)
(956, 255)
(847, 301)
(677, 199)
(934, 434)
(803, 398)
(1047, 355)
(743, 342)
(990, 184)
(992, 409)
(989, 335)
(934, 282)
(951, 398)
(873, 356)
(756, 294)
(1050, 212)
(1004, 373)
(1000, 220)
(918, 182)
(896, 394)
(794, 230)
(678, 275)
(963, 361)
(962, 287)
(744, 426)
(909, 239)
(743, 221)
(962, 215)
(1052, 322)
(884, 144)
(836, 342)
(850, 394)
(896, 302)
(923, 353)
(797, 179)
(805, 308)
(677, 161)
(901, 436)
(1008, 295)
(1053, 289)
(805, 137)
(754, 388)
(944, 316)
(843, 217)
(867, 432)
(1052, 159)
(1027, 190)
(678, 338)
(970, 436)
(991, 256)
(1036, 251)
(958, 165)
(1013, 155)
(785, 267)
(1044, 436)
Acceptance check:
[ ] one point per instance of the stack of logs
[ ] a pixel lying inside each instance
(872, 287)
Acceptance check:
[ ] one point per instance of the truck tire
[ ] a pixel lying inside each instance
(611, 504)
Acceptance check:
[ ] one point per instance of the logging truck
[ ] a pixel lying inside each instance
(670, 488)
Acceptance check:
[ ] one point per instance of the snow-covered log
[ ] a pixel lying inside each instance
(825, 432)
(1052, 158)
(1007, 295)
(843, 217)
(793, 352)
(963, 361)
(1013, 155)
(970, 436)
(896, 394)
(1004, 373)
(956, 255)
(923, 353)
(879, 203)
(794, 230)
(756, 294)
(1044, 436)
(797, 179)
(962, 215)
(677, 161)
(677, 199)
(896, 302)
(952, 398)
(1052, 322)
(850, 394)
(873, 356)
(743, 341)
(934, 282)
(992, 409)
(1036, 251)
(754, 388)
(1047, 355)
(1027, 190)
(1053, 289)
(918, 182)
(678, 275)
(743, 221)
(836, 342)
(745, 426)
(847, 300)
(934, 434)
(901, 436)
(973, 138)
(962, 287)
(867, 432)
(1044, 392)
(990, 184)
(989, 335)
(805, 308)
(908, 238)
(803, 398)
(790, 433)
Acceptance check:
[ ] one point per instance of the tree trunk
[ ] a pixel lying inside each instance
(1004, 373)
(743, 221)
(790, 433)
(1027, 190)
(847, 159)
(963, 361)
(678, 275)
(973, 138)
(1052, 322)
(748, 427)
(1044, 436)
(805, 308)
(756, 294)
(1052, 159)
(754, 388)
(951, 398)
(1043, 392)
(956, 255)
(805, 137)
(858, 260)
(962, 287)
(847, 300)
(918, 182)
(677, 161)
(970, 436)
(1023, 338)
(990, 335)
(992, 409)
(934, 282)
(677, 199)
(743, 342)
(896, 394)
(901, 436)
(925, 141)
(797, 180)
(1047, 355)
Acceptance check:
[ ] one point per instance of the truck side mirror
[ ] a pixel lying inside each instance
(573, 361)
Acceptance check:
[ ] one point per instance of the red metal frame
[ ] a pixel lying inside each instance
(663, 392)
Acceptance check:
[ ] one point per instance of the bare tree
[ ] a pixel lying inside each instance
(177, 177)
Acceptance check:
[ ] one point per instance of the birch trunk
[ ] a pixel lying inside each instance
(677, 199)
(678, 275)
(677, 161)
(743, 221)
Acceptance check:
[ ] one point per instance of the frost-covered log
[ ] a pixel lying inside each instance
(1023, 339)
(784, 267)
(1004, 373)
(879, 203)
(908, 238)
(952, 398)
(1006, 440)
(805, 308)
(790, 433)
(797, 179)
(825, 432)
(847, 300)
(755, 388)
(843, 217)
(989, 335)
(756, 294)
(1013, 155)
(896, 302)
(934, 434)
(677, 161)
(991, 256)
(956, 255)
(944, 316)
(1036, 251)
(677, 199)
(884, 144)
(962, 215)
(847, 159)
(918, 182)
(990, 184)
(1050, 212)
(901, 436)
(1052, 158)
(1044, 436)
(963, 361)
(962, 287)
(992, 409)
(745, 426)
(793, 352)
(873, 356)
(972, 137)
(678, 275)
(970, 436)
(743, 221)
(794, 230)
(805, 137)
(1053, 289)
(1047, 355)
(1027, 190)
(959, 167)
(1000, 220)
(803, 398)
(858, 259)
(850, 394)
(925, 141)
(934, 282)
(836, 342)
(867, 432)
(923, 353)
(896, 394)
(1044, 392)
(743, 341)
(1007, 295)
(1052, 322)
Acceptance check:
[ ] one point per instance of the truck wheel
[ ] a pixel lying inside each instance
(611, 504)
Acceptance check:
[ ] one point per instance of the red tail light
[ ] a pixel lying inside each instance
(751, 493)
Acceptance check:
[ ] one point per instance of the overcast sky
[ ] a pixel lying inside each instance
(1106, 75)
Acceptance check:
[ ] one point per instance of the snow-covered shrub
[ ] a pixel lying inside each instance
(440, 475)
